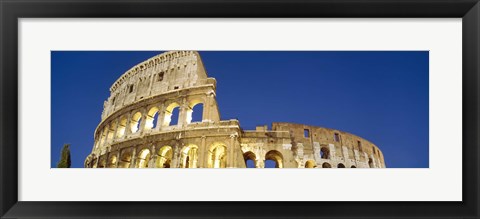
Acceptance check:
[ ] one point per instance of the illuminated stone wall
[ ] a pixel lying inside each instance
(138, 130)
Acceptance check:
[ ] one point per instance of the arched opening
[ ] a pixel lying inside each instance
(310, 164)
(353, 166)
(165, 155)
(195, 113)
(325, 153)
(326, 165)
(143, 158)
(125, 160)
(171, 115)
(135, 122)
(103, 137)
(273, 157)
(122, 125)
(112, 162)
(152, 118)
(340, 165)
(111, 131)
(370, 162)
(217, 156)
(250, 159)
(188, 158)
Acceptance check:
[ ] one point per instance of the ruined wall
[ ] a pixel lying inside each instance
(137, 129)
(338, 147)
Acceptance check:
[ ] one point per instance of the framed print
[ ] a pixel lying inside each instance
(239, 109)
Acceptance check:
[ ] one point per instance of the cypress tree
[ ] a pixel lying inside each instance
(65, 161)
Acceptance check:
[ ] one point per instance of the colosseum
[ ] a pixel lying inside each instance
(137, 131)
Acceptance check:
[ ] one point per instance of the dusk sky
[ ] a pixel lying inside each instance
(380, 96)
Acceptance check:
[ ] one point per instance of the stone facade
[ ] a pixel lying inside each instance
(137, 130)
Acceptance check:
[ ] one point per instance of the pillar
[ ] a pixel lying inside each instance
(202, 151)
(231, 151)
(176, 156)
(260, 163)
(182, 116)
(118, 159)
(161, 116)
(143, 121)
(206, 108)
(193, 153)
(153, 157)
(134, 157)
(128, 131)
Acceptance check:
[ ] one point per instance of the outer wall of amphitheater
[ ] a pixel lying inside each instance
(147, 123)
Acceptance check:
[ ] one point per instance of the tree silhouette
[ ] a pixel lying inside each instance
(65, 161)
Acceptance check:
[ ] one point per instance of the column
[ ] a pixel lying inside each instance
(182, 116)
(105, 132)
(118, 159)
(161, 114)
(260, 163)
(206, 108)
(153, 157)
(202, 151)
(175, 156)
(134, 157)
(128, 131)
(116, 128)
(230, 150)
(193, 157)
(143, 121)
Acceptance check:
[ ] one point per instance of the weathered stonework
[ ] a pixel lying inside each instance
(136, 130)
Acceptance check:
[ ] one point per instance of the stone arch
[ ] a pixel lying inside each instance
(125, 159)
(250, 156)
(310, 164)
(169, 111)
(111, 131)
(370, 162)
(112, 161)
(340, 165)
(135, 122)
(143, 158)
(353, 166)
(122, 126)
(188, 157)
(194, 106)
(326, 165)
(152, 117)
(103, 137)
(217, 156)
(276, 156)
(325, 152)
(165, 156)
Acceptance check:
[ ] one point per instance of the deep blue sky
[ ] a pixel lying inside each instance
(380, 96)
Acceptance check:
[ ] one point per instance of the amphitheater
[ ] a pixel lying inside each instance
(137, 131)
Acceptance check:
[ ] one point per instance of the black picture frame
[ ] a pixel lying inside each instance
(12, 10)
